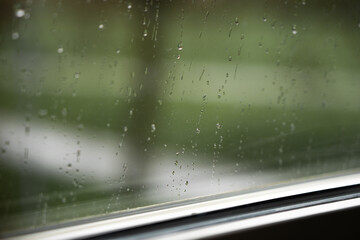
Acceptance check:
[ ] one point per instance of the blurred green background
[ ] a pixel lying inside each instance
(260, 86)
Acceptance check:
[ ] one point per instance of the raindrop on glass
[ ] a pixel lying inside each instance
(153, 128)
(80, 127)
(27, 15)
(292, 127)
(15, 36)
(60, 50)
(42, 113)
(20, 13)
(101, 26)
(77, 75)
(64, 112)
(180, 47)
(294, 31)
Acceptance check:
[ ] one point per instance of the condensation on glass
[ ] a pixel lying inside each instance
(106, 106)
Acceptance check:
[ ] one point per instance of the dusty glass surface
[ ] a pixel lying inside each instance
(107, 106)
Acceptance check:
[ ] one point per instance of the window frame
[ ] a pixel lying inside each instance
(322, 195)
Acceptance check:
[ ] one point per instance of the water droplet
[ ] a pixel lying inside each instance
(125, 128)
(294, 31)
(118, 51)
(230, 58)
(264, 19)
(187, 183)
(303, 2)
(80, 127)
(60, 50)
(42, 113)
(292, 127)
(77, 75)
(129, 6)
(108, 125)
(178, 57)
(26, 156)
(101, 26)
(236, 21)
(280, 150)
(27, 15)
(173, 173)
(153, 128)
(145, 33)
(20, 13)
(180, 47)
(15, 36)
(64, 112)
(218, 126)
(69, 165)
(27, 130)
(197, 130)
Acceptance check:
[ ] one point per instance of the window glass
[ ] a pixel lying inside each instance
(111, 105)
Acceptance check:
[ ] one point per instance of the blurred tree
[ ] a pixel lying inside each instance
(148, 17)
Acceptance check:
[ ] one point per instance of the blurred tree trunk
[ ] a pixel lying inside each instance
(148, 17)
